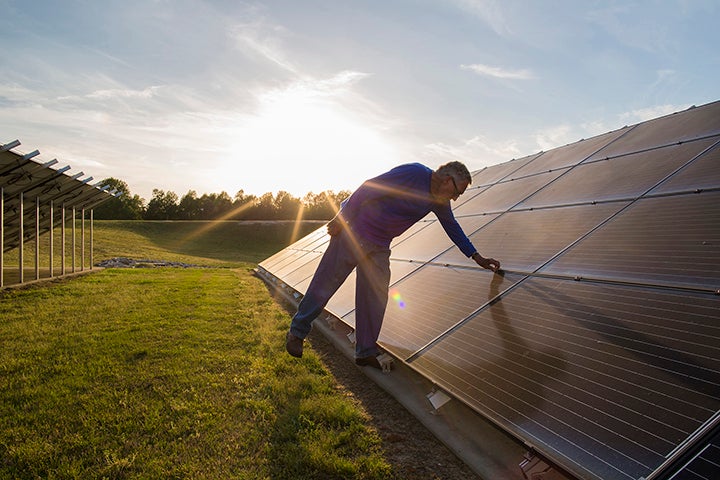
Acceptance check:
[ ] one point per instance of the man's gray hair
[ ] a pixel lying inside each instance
(457, 170)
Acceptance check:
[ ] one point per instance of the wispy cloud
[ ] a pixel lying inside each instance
(476, 152)
(643, 114)
(258, 37)
(498, 72)
(124, 93)
(489, 11)
(552, 137)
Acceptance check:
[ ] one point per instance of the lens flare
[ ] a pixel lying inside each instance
(397, 298)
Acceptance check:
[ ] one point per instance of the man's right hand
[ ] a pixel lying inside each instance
(334, 227)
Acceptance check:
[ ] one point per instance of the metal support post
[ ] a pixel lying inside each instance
(21, 244)
(62, 240)
(37, 238)
(92, 240)
(82, 239)
(2, 237)
(73, 240)
(52, 240)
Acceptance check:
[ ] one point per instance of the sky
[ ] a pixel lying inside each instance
(314, 95)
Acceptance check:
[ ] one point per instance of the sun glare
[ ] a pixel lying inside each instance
(301, 141)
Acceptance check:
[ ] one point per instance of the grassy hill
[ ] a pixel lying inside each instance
(171, 373)
(206, 243)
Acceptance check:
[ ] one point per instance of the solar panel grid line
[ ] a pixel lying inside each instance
(294, 261)
(572, 413)
(495, 395)
(649, 149)
(600, 367)
(500, 171)
(708, 147)
(411, 232)
(534, 438)
(282, 261)
(680, 126)
(302, 271)
(603, 396)
(629, 176)
(608, 357)
(671, 407)
(310, 244)
(636, 244)
(700, 174)
(569, 155)
(272, 262)
(430, 242)
(533, 246)
(659, 333)
(546, 365)
(454, 326)
(502, 197)
(282, 258)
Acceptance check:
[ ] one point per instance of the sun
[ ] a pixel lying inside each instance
(301, 140)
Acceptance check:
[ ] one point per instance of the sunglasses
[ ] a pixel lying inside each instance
(457, 191)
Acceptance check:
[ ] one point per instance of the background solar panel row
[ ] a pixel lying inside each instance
(21, 174)
(600, 343)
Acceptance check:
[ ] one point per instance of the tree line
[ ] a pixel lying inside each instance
(166, 205)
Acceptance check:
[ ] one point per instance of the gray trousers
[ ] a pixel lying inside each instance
(343, 254)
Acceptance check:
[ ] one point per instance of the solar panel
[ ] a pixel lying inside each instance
(599, 346)
(701, 174)
(604, 379)
(671, 241)
(622, 177)
(21, 175)
(528, 239)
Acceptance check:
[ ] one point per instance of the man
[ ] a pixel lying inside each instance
(380, 210)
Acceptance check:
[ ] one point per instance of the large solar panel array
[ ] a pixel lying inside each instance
(599, 345)
(21, 174)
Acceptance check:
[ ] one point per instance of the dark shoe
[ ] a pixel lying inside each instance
(369, 362)
(294, 345)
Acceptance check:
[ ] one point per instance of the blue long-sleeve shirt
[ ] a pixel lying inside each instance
(385, 206)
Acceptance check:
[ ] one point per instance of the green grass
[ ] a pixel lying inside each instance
(170, 373)
(213, 243)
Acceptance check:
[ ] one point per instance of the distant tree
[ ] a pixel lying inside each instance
(264, 208)
(163, 206)
(323, 206)
(215, 206)
(212, 206)
(121, 207)
(189, 207)
(244, 206)
(286, 206)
